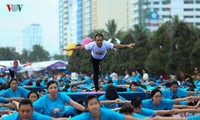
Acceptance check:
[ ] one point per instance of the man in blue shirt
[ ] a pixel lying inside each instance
(134, 77)
(26, 113)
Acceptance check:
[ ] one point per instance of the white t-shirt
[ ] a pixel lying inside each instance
(145, 77)
(99, 52)
(114, 76)
(14, 69)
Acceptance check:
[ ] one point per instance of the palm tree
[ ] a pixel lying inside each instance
(111, 32)
(94, 32)
(139, 32)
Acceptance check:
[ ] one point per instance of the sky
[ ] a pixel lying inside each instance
(43, 12)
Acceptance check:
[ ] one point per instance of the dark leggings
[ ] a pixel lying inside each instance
(95, 64)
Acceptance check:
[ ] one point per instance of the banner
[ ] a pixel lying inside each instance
(154, 19)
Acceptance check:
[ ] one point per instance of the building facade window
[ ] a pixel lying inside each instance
(190, 23)
(166, 2)
(188, 1)
(188, 16)
(198, 23)
(156, 3)
(188, 9)
(197, 1)
(165, 9)
(165, 16)
(197, 9)
(156, 9)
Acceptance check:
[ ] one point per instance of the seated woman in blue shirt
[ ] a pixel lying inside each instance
(156, 102)
(73, 88)
(127, 109)
(120, 81)
(33, 96)
(138, 109)
(95, 112)
(135, 88)
(175, 91)
(15, 90)
(111, 98)
(53, 104)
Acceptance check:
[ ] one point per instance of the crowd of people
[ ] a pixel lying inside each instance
(167, 97)
(173, 97)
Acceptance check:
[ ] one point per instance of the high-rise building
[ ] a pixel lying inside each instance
(105, 10)
(31, 35)
(151, 13)
(83, 16)
(63, 23)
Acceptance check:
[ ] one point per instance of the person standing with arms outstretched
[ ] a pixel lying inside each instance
(98, 52)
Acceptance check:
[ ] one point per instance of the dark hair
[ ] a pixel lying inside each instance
(90, 73)
(146, 71)
(168, 84)
(41, 90)
(90, 97)
(174, 83)
(98, 35)
(136, 102)
(51, 82)
(73, 86)
(13, 79)
(126, 109)
(25, 101)
(111, 93)
(29, 83)
(133, 83)
(154, 91)
(82, 102)
(110, 81)
(38, 83)
(33, 92)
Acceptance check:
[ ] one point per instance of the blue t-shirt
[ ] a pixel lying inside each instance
(139, 89)
(165, 104)
(35, 116)
(54, 108)
(105, 114)
(2, 80)
(69, 110)
(122, 82)
(88, 81)
(2, 100)
(20, 92)
(138, 76)
(197, 83)
(147, 112)
(196, 117)
(179, 93)
(159, 81)
(134, 79)
(136, 115)
(111, 105)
